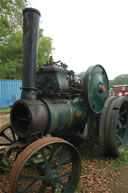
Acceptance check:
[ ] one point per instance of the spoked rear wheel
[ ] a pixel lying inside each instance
(113, 130)
(119, 126)
(47, 165)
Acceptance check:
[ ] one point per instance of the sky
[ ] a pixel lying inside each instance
(87, 32)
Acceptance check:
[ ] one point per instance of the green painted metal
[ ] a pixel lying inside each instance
(97, 79)
(78, 112)
(95, 88)
(65, 114)
(63, 83)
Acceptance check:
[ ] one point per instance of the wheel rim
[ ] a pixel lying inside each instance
(104, 133)
(95, 88)
(44, 164)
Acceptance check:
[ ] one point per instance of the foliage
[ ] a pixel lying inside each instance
(11, 54)
(11, 40)
(11, 16)
(81, 74)
(11, 57)
(45, 48)
(119, 80)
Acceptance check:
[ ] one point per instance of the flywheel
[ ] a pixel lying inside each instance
(95, 88)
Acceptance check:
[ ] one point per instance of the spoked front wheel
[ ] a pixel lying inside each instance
(47, 165)
(7, 135)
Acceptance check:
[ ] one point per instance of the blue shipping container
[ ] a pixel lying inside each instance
(9, 92)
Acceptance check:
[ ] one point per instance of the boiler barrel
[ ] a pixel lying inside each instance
(46, 116)
(65, 114)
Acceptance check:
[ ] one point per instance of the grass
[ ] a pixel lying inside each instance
(91, 150)
(120, 162)
(80, 188)
(2, 111)
(123, 157)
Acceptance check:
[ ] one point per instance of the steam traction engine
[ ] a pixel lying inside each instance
(54, 107)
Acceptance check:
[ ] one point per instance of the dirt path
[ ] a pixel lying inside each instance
(120, 181)
(4, 119)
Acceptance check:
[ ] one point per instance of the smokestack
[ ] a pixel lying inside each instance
(30, 52)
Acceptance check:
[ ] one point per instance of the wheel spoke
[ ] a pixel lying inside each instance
(52, 153)
(61, 183)
(122, 113)
(43, 188)
(67, 162)
(66, 174)
(45, 159)
(125, 126)
(32, 162)
(6, 137)
(13, 135)
(119, 125)
(26, 188)
(36, 178)
(118, 137)
(33, 179)
(61, 161)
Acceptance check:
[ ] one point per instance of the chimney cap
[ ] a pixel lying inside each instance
(32, 10)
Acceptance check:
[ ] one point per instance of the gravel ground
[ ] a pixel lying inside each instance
(96, 177)
(99, 175)
(4, 119)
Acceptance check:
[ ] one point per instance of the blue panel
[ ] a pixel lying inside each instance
(9, 92)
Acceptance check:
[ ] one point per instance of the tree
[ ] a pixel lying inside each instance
(45, 48)
(119, 80)
(11, 40)
(11, 54)
(11, 16)
(11, 57)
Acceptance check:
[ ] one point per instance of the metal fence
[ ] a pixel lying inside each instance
(9, 92)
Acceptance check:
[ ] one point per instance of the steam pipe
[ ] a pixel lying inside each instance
(30, 52)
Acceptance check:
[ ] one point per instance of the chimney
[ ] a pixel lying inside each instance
(30, 52)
